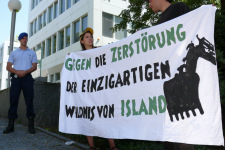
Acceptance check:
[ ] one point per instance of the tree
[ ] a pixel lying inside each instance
(135, 16)
(140, 16)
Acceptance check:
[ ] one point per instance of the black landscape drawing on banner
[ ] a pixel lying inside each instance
(181, 92)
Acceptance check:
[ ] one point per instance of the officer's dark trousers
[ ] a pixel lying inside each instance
(17, 84)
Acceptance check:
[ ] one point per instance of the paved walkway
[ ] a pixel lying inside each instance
(20, 139)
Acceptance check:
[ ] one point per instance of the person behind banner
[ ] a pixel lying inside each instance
(170, 11)
(24, 62)
(86, 42)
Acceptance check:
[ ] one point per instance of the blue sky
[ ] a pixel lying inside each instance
(5, 17)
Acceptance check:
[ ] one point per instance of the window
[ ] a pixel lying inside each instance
(61, 39)
(43, 50)
(8, 50)
(68, 36)
(1, 52)
(57, 77)
(62, 3)
(84, 23)
(49, 48)
(50, 14)
(54, 43)
(38, 47)
(32, 4)
(6, 83)
(1, 67)
(122, 33)
(107, 23)
(45, 18)
(36, 2)
(75, 1)
(68, 4)
(52, 78)
(56, 10)
(76, 31)
(40, 22)
(35, 26)
(31, 29)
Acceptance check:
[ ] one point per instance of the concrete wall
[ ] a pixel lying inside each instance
(46, 104)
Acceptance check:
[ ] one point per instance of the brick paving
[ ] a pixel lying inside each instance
(20, 139)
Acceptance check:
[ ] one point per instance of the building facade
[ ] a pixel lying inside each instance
(55, 25)
(4, 56)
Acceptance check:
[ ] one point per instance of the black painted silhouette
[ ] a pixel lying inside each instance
(181, 92)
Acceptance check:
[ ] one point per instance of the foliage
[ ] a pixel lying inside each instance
(223, 6)
(140, 16)
(135, 15)
(220, 48)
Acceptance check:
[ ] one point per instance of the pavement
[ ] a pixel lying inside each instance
(20, 139)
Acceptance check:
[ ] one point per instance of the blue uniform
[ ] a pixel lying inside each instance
(22, 60)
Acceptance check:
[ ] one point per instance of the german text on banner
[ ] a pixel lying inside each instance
(159, 84)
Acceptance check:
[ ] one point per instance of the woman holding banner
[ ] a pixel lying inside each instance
(86, 42)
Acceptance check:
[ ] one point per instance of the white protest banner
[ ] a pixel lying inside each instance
(159, 84)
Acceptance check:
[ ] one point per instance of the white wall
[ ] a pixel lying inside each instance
(4, 60)
(93, 8)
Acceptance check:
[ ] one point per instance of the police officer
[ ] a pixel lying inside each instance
(24, 62)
